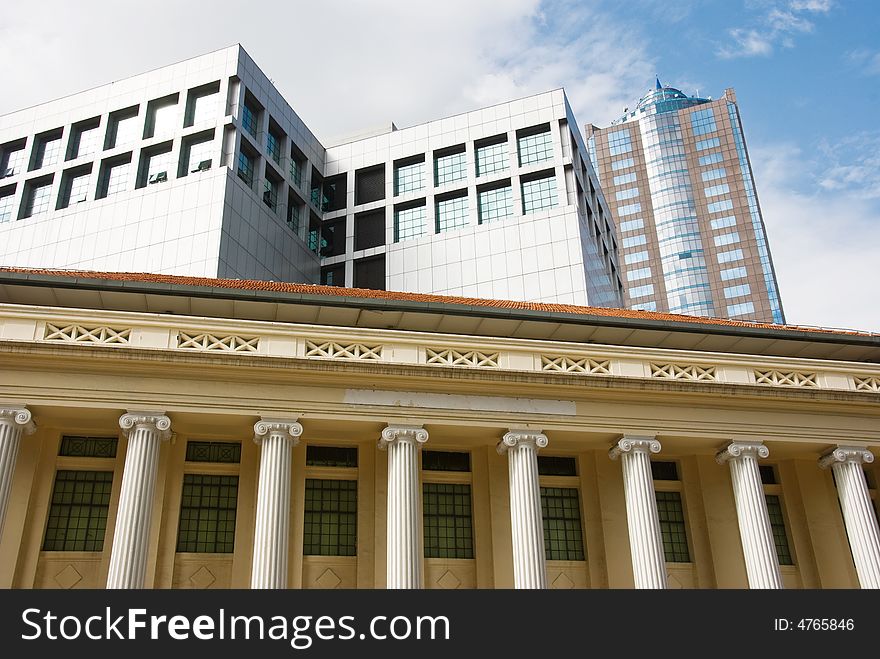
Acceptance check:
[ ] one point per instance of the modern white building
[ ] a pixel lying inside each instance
(202, 168)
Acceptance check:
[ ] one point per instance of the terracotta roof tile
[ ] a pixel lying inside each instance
(339, 292)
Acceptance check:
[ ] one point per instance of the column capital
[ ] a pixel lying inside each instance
(842, 454)
(155, 421)
(521, 437)
(634, 444)
(399, 433)
(18, 415)
(741, 449)
(291, 428)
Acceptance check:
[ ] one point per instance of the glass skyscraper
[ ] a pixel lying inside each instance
(676, 173)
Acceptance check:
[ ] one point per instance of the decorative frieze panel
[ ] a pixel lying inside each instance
(217, 343)
(868, 383)
(690, 372)
(81, 334)
(335, 350)
(452, 357)
(575, 365)
(786, 378)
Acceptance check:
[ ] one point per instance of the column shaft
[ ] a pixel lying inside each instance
(128, 558)
(404, 549)
(645, 540)
(527, 524)
(13, 422)
(272, 524)
(858, 513)
(755, 532)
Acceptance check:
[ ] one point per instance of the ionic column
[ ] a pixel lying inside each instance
(759, 548)
(527, 525)
(131, 537)
(861, 524)
(404, 552)
(645, 541)
(276, 438)
(14, 421)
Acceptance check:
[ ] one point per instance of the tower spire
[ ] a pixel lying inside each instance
(657, 82)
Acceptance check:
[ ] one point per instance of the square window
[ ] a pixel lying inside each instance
(409, 222)
(37, 198)
(491, 157)
(538, 194)
(409, 177)
(535, 147)
(451, 213)
(450, 167)
(494, 203)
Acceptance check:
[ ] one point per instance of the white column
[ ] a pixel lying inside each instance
(276, 437)
(526, 522)
(131, 537)
(756, 535)
(404, 549)
(645, 541)
(14, 421)
(858, 514)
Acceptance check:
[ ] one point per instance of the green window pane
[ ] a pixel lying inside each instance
(88, 447)
(664, 471)
(553, 465)
(207, 513)
(330, 520)
(777, 526)
(672, 527)
(446, 461)
(331, 456)
(447, 520)
(563, 534)
(225, 452)
(78, 512)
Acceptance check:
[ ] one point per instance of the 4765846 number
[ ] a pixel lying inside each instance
(814, 624)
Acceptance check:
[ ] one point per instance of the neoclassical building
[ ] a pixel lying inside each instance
(173, 432)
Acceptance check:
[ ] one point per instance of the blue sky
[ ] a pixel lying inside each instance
(806, 73)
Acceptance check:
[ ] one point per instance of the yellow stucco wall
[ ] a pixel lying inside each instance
(83, 389)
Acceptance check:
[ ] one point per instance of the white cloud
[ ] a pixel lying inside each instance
(343, 66)
(776, 26)
(852, 165)
(825, 245)
(816, 6)
(787, 21)
(746, 43)
(867, 61)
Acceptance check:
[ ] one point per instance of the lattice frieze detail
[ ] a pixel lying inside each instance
(691, 372)
(206, 342)
(584, 365)
(786, 378)
(334, 350)
(82, 334)
(452, 357)
(868, 383)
